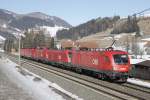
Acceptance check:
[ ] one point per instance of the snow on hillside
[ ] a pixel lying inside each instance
(52, 30)
(17, 35)
(4, 26)
(7, 12)
(39, 15)
(2, 38)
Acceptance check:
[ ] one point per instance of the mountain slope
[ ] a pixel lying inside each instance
(91, 27)
(6, 16)
(56, 20)
(29, 22)
(10, 21)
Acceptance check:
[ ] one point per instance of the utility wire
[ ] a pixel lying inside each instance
(138, 13)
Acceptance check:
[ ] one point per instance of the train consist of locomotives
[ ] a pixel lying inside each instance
(112, 64)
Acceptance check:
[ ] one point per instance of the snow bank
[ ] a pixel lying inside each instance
(1, 50)
(135, 61)
(40, 88)
(139, 82)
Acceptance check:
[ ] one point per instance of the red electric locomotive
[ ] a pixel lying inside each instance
(112, 64)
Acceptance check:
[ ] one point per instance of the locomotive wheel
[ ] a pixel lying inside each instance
(78, 70)
(101, 76)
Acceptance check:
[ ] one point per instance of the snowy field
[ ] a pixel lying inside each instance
(139, 82)
(40, 88)
(135, 60)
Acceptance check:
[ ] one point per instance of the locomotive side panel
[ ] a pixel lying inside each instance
(106, 61)
(33, 53)
(28, 53)
(56, 56)
(86, 59)
(94, 60)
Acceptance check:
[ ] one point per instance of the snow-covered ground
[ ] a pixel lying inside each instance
(2, 38)
(1, 50)
(139, 82)
(37, 86)
(138, 59)
(134, 60)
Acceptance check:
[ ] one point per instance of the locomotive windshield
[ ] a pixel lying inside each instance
(121, 59)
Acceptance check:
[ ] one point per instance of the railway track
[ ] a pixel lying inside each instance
(137, 87)
(123, 91)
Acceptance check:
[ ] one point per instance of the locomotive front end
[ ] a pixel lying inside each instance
(121, 65)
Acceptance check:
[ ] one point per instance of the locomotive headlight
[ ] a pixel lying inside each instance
(115, 68)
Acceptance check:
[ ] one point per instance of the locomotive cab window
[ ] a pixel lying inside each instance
(120, 59)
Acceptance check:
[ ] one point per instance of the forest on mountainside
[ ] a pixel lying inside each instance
(30, 40)
(99, 25)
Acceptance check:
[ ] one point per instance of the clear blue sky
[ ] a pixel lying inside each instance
(76, 11)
